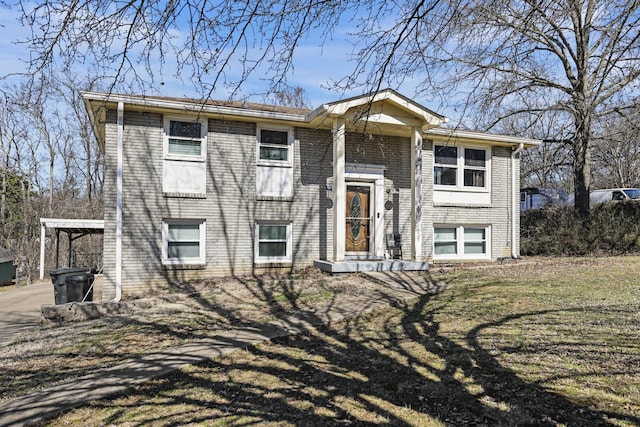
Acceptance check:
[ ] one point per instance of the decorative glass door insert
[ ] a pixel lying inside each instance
(358, 218)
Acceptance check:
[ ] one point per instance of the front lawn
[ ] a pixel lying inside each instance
(540, 342)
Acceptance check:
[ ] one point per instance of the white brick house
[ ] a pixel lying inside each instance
(229, 187)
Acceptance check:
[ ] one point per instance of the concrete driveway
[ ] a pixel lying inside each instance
(20, 308)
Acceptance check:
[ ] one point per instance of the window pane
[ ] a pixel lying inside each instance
(474, 157)
(273, 232)
(474, 234)
(185, 129)
(184, 147)
(445, 248)
(446, 155)
(273, 153)
(183, 250)
(444, 176)
(441, 234)
(184, 232)
(474, 248)
(272, 249)
(632, 193)
(274, 137)
(473, 178)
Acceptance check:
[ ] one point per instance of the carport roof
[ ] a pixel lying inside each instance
(84, 226)
(70, 226)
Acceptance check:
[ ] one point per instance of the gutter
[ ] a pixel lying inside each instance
(187, 106)
(514, 199)
(119, 161)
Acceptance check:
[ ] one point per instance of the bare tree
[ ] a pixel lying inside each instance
(578, 58)
(506, 58)
(295, 97)
(82, 154)
(46, 156)
(616, 154)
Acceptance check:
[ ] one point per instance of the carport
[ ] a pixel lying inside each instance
(73, 228)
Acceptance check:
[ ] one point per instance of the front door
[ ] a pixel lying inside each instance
(358, 218)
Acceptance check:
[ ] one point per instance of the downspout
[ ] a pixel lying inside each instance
(514, 188)
(119, 203)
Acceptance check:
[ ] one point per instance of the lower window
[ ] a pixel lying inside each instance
(272, 242)
(457, 241)
(183, 241)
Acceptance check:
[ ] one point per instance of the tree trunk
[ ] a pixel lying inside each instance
(582, 171)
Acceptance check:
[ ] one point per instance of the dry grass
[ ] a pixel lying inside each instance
(6, 288)
(548, 342)
(51, 354)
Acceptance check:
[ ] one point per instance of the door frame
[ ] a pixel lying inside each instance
(373, 175)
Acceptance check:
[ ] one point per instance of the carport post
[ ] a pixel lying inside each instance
(69, 256)
(57, 248)
(43, 232)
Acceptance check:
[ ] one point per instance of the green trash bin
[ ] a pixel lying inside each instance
(58, 278)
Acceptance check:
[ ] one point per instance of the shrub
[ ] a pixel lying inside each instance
(611, 228)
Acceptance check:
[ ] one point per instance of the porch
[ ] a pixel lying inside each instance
(358, 188)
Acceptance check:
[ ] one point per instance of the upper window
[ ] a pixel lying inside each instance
(446, 165)
(273, 242)
(186, 138)
(185, 154)
(183, 242)
(274, 146)
(450, 242)
(460, 167)
(274, 171)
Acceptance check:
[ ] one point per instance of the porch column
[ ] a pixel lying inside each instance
(339, 190)
(416, 193)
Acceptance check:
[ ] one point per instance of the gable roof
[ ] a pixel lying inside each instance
(372, 106)
(384, 112)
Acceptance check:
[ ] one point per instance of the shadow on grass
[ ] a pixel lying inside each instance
(388, 367)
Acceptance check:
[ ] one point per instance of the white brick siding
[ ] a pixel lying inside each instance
(231, 207)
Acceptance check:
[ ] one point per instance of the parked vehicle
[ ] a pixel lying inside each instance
(609, 195)
(536, 198)
(614, 195)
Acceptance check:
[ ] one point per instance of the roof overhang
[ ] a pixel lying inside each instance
(97, 104)
(454, 136)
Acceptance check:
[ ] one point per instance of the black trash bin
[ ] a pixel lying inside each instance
(78, 286)
(58, 278)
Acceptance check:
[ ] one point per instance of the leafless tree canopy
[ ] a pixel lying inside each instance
(49, 165)
(502, 58)
(566, 71)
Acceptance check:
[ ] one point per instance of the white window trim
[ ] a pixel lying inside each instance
(460, 242)
(289, 146)
(256, 250)
(201, 259)
(203, 138)
(460, 168)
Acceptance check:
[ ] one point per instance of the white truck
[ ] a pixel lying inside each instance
(609, 195)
